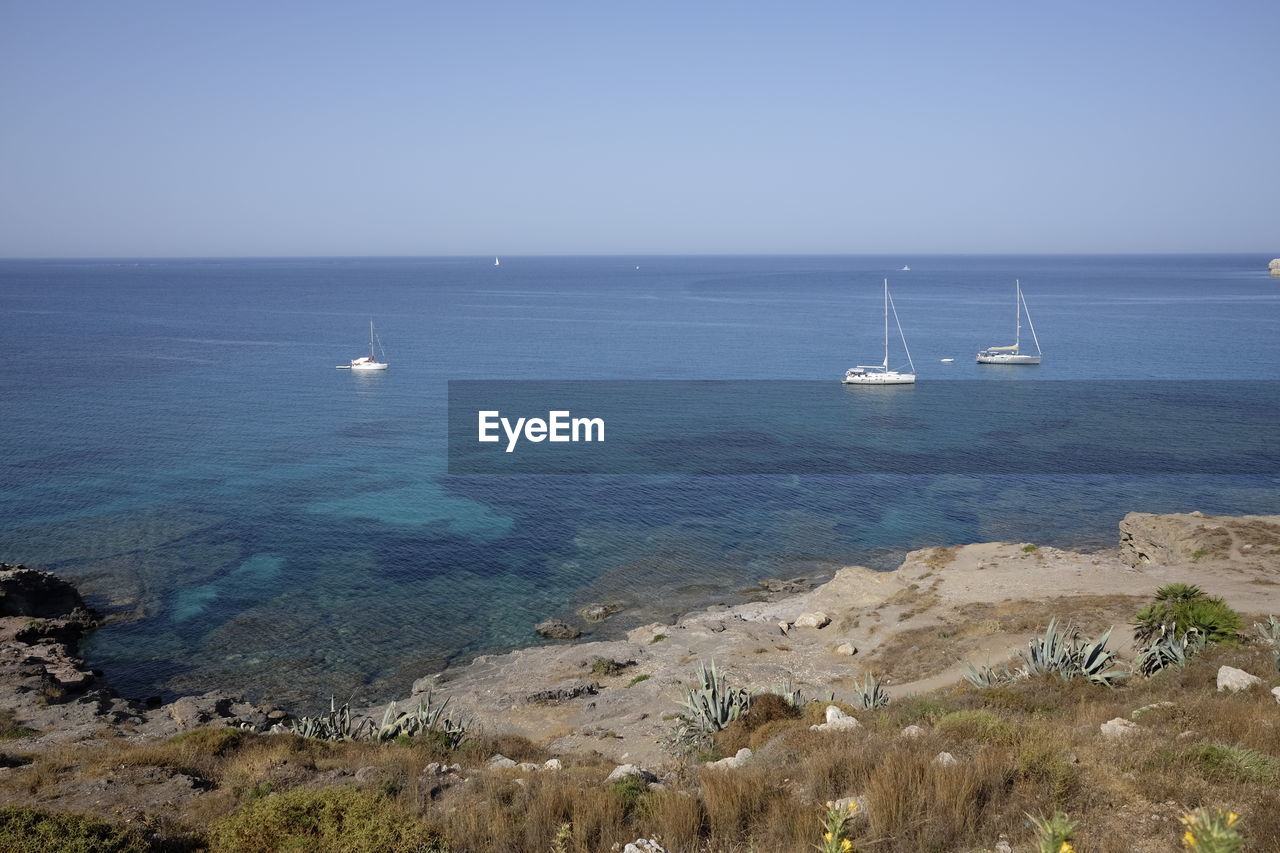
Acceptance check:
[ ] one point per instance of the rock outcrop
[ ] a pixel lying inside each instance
(557, 629)
(1274, 266)
(1183, 538)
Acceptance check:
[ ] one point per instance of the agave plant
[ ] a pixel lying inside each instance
(1065, 653)
(425, 720)
(337, 725)
(987, 677)
(716, 705)
(871, 695)
(789, 695)
(1168, 650)
(1269, 632)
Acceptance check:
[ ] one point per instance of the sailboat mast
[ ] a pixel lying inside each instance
(371, 358)
(1017, 301)
(886, 324)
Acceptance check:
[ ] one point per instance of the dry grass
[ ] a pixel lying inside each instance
(917, 653)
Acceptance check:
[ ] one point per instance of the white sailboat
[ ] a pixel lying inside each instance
(1014, 354)
(497, 263)
(368, 362)
(880, 374)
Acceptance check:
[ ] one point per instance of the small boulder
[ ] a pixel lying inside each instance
(644, 845)
(552, 764)
(187, 713)
(369, 775)
(1119, 729)
(499, 761)
(784, 626)
(1234, 680)
(817, 619)
(911, 732)
(598, 612)
(557, 629)
(945, 759)
(528, 767)
(837, 720)
(732, 761)
(625, 771)
(1275, 691)
(1003, 847)
(847, 649)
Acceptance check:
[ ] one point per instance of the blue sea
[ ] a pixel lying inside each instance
(177, 440)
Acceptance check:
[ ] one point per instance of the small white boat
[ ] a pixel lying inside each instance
(905, 268)
(880, 374)
(497, 263)
(946, 360)
(368, 362)
(1014, 354)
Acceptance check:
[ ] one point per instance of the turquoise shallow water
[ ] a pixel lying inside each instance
(176, 438)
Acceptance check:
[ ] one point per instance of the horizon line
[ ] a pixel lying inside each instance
(467, 256)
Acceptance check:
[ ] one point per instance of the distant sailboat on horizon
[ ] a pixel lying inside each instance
(497, 263)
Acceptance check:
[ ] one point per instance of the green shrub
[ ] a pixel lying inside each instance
(1236, 763)
(329, 820)
(9, 726)
(630, 789)
(208, 741)
(24, 830)
(1180, 608)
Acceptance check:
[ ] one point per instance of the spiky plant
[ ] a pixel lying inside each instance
(1269, 631)
(337, 725)
(427, 721)
(1212, 831)
(790, 695)
(986, 677)
(1062, 651)
(715, 705)
(871, 695)
(1053, 834)
(1167, 650)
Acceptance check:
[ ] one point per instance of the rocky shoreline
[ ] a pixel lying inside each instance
(48, 688)
(978, 602)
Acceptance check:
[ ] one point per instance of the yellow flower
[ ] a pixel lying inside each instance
(1232, 817)
(853, 807)
(1066, 848)
(1189, 839)
(826, 836)
(846, 846)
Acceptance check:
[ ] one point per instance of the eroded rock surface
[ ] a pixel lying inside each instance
(1187, 538)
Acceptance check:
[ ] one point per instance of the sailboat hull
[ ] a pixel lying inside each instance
(890, 378)
(1008, 358)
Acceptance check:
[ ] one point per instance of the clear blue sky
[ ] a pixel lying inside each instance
(601, 127)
